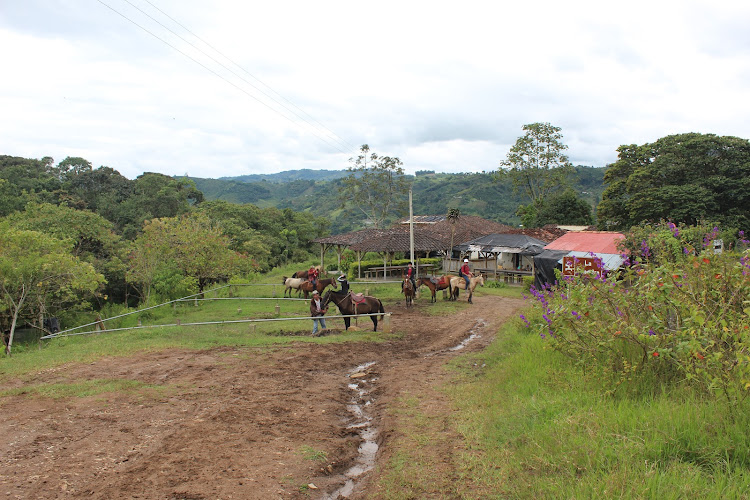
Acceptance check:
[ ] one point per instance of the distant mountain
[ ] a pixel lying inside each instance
(304, 174)
(316, 191)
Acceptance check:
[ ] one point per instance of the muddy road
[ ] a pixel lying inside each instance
(295, 421)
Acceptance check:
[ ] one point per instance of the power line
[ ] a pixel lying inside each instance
(324, 139)
(344, 141)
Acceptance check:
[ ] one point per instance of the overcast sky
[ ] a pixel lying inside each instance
(217, 88)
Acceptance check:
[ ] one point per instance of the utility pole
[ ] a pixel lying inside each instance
(411, 231)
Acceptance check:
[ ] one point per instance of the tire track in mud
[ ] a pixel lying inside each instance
(234, 422)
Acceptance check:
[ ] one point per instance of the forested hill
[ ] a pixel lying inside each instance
(317, 191)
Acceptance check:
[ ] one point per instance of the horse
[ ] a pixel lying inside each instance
(349, 303)
(290, 283)
(301, 274)
(457, 283)
(408, 290)
(439, 284)
(304, 274)
(320, 285)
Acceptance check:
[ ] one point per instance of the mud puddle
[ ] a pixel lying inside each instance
(361, 385)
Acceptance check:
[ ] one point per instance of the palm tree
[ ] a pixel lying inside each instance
(453, 216)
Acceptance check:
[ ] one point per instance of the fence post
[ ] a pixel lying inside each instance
(387, 323)
(178, 321)
(277, 309)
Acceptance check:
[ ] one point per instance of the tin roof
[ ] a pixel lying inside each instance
(504, 243)
(602, 242)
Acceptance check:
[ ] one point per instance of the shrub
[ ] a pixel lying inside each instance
(670, 317)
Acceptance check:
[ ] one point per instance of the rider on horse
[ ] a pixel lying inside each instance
(465, 272)
(410, 275)
(312, 275)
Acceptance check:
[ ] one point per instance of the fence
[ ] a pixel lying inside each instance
(99, 323)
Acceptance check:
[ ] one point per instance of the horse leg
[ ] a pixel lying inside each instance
(374, 322)
(346, 323)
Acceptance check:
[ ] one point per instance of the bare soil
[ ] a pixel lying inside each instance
(236, 422)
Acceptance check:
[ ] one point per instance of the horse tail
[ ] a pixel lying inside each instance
(381, 309)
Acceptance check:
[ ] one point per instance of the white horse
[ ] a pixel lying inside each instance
(458, 283)
(290, 283)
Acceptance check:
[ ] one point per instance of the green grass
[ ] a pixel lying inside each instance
(535, 427)
(81, 389)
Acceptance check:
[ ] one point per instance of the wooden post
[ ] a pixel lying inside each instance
(99, 322)
(196, 301)
(178, 322)
(387, 323)
(139, 322)
(277, 309)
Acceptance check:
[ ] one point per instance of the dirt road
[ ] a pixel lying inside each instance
(299, 421)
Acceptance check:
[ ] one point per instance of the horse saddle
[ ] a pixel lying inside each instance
(435, 281)
(358, 298)
(441, 281)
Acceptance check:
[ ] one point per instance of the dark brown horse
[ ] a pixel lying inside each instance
(408, 290)
(320, 285)
(301, 274)
(348, 304)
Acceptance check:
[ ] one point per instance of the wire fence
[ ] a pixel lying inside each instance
(197, 297)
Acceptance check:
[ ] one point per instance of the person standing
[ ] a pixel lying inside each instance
(465, 272)
(317, 311)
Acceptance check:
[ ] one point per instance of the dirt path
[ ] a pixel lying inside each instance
(236, 422)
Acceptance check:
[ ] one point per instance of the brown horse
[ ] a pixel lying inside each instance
(304, 274)
(301, 274)
(458, 283)
(320, 285)
(348, 304)
(408, 290)
(439, 284)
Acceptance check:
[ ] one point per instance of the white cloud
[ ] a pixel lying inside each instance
(445, 87)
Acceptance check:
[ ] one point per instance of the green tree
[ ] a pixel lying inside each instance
(453, 216)
(536, 164)
(376, 186)
(38, 274)
(92, 237)
(560, 208)
(683, 178)
(192, 243)
(155, 196)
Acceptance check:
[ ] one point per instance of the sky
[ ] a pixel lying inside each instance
(219, 88)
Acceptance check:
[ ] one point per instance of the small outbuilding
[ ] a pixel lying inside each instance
(602, 245)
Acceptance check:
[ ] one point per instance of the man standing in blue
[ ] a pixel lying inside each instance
(317, 311)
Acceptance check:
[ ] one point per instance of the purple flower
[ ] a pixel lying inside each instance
(651, 331)
(577, 316)
(528, 325)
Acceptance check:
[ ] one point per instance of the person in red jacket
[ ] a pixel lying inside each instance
(312, 275)
(410, 275)
(465, 272)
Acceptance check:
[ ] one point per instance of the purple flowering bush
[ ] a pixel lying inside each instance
(678, 313)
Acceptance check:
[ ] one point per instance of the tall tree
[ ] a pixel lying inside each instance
(453, 216)
(376, 186)
(683, 178)
(560, 208)
(37, 274)
(536, 163)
